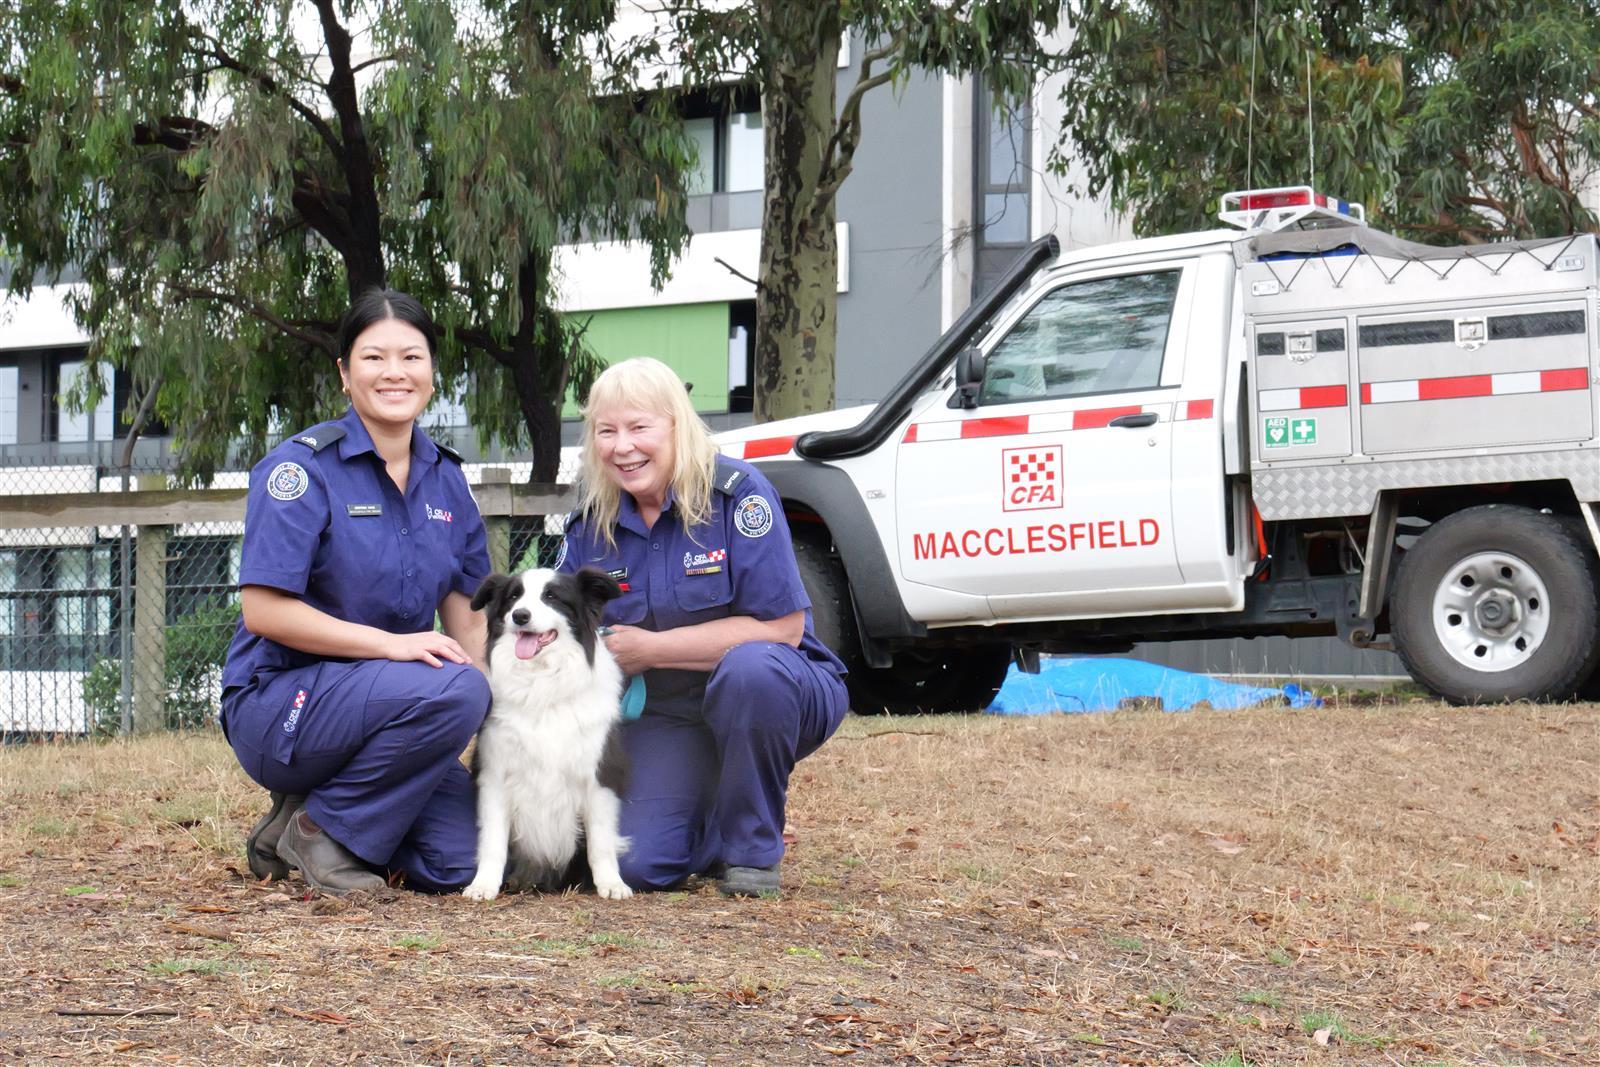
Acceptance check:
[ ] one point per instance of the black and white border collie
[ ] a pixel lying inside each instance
(549, 762)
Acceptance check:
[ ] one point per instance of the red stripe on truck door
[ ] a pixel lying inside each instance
(997, 427)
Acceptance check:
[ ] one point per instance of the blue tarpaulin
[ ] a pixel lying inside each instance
(1095, 683)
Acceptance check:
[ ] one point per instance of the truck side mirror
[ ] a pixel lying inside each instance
(969, 376)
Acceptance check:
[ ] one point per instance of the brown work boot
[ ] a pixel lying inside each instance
(749, 881)
(261, 847)
(322, 861)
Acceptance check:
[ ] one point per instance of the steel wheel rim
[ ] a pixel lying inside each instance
(1491, 611)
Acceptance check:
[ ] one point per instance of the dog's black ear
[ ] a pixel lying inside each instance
(487, 591)
(595, 584)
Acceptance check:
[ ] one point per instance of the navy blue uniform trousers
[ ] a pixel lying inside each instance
(375, 746)
(710, 774)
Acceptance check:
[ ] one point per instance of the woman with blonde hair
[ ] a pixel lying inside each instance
(714, 616)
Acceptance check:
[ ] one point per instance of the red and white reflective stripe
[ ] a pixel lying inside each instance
(760, 448)
(1467, 385)
(1044, 422)
(1311, 396)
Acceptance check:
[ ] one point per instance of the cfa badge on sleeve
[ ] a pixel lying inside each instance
(753, 517)
(287, 481)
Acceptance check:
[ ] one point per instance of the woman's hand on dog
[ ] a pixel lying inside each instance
(631, 648)
(430, 647)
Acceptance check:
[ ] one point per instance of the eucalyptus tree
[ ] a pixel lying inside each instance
(1453, 120)
(790, 49)
(226, 174)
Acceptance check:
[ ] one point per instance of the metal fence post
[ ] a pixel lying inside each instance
(150, 630)
(498, 526)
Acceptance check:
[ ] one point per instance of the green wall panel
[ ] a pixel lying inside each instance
(692, 339)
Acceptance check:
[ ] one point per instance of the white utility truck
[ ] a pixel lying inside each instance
(1308, 427)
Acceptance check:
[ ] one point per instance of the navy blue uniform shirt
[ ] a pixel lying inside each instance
(325, 522)
(740, 561)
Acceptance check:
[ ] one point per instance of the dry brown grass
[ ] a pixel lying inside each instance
(1415, 884)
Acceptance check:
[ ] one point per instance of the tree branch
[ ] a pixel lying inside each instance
(318, 338)
(838, 156)
(270, 86)
(483, 342)
(142, 416)
(741, 275)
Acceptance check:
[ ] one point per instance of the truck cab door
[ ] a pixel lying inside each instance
(1052, 496)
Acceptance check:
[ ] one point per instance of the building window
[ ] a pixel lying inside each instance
(75, 426)
(9, 385)
(202, 577)
(56, 608)
(726, 187)
(741, 355)
(731, 152)
(1003, 183)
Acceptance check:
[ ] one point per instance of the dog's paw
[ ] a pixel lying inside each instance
(481, 891)
(613, 890)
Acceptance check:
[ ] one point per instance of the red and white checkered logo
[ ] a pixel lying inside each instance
(1031, 478)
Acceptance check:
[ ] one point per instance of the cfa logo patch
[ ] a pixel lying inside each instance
(295, 708)
(287, 481)
(438, 514)
(753, 518)
(1031, 478)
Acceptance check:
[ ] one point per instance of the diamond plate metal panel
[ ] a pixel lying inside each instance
(1352, 488)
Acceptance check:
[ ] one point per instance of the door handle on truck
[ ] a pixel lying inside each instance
(1143, 418)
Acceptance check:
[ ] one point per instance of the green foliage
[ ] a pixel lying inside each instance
(196, 646)
(1452, 121)
(225, 175)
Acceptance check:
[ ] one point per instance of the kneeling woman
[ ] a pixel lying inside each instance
(338, 694)
(714, 616)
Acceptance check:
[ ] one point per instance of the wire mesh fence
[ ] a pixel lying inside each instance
(78, 650)
(107, 628)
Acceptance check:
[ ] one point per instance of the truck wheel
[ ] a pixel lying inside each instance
(938, 680)
(1499, 603)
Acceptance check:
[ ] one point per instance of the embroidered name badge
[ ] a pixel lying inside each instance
(438, 514)
(287, 481)
(753, 518)
(620, 575)
(295, 708)
(361, 511)
(704, 562)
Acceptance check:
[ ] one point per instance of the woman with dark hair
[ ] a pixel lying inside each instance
(339, 696)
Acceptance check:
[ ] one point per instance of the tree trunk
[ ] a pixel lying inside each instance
(797, 301)
(538, 369)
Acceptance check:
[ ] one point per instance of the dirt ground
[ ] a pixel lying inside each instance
(1390, 884)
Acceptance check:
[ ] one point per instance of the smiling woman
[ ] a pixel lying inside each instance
(339, 697)
(714, 617)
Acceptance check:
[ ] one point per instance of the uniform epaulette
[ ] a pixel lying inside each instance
(726, 478)
(319, 437)
(447, 450)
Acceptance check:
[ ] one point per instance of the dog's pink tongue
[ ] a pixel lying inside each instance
(528, 645)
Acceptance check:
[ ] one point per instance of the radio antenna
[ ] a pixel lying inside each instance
(1311, 126)
(1250, 119)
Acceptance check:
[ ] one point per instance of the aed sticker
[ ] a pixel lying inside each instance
(1031, 478)
(753, 517)
(1281, 431)
(287, 481)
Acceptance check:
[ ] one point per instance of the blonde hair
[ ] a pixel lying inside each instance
(648, 385)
